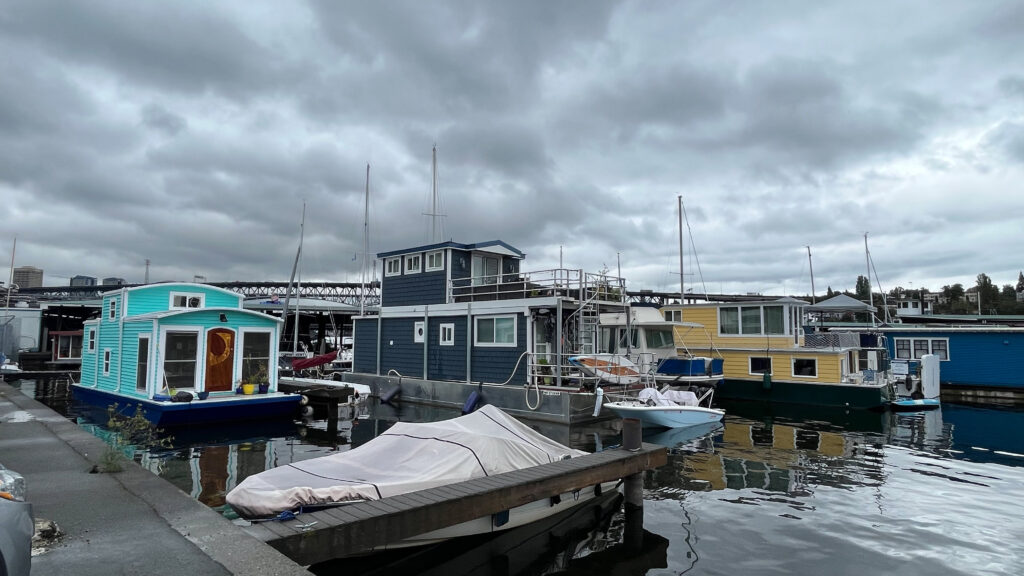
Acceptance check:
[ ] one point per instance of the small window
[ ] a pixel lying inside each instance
(412, 263)
(435, 261)
(182, 300)
(674, 315)
(941, 349)
(106, 362)
(729, 320)
(760, 365)
(496, 331)
(142, 364)
(113, 309)
(92, 340)
(447, 337)
(393, 267)
(417, 332)
(903, 348)
(920, 348)
(805, 367)
(750, 320)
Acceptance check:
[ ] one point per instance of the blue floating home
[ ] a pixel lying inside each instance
(158, 345)
(463, 323)
(984, 361)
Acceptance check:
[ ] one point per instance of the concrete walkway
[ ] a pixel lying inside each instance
(129, 522)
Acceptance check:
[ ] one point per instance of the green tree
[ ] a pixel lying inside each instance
(988, 292)
(1020, 282)
(863, 288)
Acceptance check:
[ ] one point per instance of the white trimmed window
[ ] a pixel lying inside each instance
(185, 300)
(916, 348)
(447, 336)
(142, 363)
(495, 331)
(805, 367)
(417, 332)
(92, 340)
(112, 314)
(413, 263)
(393, 267)
(435, 261)
(106, 362)
(760, 365)
(674, 315)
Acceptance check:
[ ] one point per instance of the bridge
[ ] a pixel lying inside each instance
(351, 293)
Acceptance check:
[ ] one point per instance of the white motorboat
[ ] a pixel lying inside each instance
(671, 409)
(416, 456)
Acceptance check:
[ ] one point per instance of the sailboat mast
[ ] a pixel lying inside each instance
(867, 260)
(811, 266)
(433, 207)
(366, 244)
(298, 281)
(682, 279)
(10, 278)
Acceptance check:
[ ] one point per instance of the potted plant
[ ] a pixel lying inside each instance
(260, 379)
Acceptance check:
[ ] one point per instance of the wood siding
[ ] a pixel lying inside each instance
(157, 297)
(398, 351)
(446, 362)
(495, 364)
(414, 289)
(980, 359)
(364, 345)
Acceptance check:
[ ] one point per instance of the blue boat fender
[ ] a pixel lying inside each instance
(475, 397)
(392, 394)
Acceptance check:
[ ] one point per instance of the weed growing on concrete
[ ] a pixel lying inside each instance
(136, 430)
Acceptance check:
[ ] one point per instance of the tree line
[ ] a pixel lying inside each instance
(953, 298)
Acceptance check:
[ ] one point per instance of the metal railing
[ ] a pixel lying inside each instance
(569, 283)
(832, 340)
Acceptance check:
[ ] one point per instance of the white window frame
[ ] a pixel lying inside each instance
(92, 340)
(446, 335)
(750, 368)
(106, 361)
(913, 351)
(240, 354)
(187, 296)
(411, 259)
(112, 306)
(398, 268)
(149, 356)
(418, 332)
(792, 367)
(673, 315)
(200, 351)
(515, 331)
(439, 254)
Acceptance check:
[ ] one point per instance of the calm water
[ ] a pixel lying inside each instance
(772, 491)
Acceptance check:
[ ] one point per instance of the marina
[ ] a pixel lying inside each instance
(803, 485)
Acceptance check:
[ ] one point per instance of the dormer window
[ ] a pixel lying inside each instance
(186, 300)
(435, 261)
(393, 267)
(413, 263)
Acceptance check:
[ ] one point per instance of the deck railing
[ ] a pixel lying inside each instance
(832, 340)
(575, 284)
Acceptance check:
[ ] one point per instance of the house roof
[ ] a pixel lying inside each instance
(493, 246)
(841, 303)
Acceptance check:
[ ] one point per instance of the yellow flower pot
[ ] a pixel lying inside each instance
(248, 389)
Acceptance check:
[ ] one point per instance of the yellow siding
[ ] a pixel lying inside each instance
(737, 362)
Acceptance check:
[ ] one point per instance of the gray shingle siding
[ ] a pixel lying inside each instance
(364, 346)
(446, 362)
(414, 289)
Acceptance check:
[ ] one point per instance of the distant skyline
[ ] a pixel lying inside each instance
(190, 134)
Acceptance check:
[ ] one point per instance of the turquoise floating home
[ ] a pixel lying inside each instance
(154, 342)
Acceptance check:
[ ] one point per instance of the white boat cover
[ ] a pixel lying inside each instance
(405, 458)
(668, 398)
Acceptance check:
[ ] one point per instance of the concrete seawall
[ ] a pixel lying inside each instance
(129, 522)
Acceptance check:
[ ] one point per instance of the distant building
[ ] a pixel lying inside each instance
(112, 281)
(28, 277)
(83, 280)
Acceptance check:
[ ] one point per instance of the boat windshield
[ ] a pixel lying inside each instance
(660, 338)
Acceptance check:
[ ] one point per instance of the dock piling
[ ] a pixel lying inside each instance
(633, 489)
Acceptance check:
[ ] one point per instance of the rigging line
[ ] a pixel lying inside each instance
(696, 258)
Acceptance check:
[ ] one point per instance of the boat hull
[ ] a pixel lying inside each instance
(861, 396)
(910, 405)
(211, 410)
(665, 416)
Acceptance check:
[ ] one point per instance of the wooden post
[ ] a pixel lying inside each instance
(633, 489)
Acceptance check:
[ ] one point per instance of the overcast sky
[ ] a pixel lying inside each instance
(190, 133)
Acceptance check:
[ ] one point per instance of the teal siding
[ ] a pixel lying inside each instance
(130, 356)
(157, 297)
(88, 375)
(108, 339)
(211, 319)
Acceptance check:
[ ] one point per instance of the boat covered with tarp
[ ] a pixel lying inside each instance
(405, 458)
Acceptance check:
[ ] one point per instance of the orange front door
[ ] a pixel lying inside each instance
(220, 359)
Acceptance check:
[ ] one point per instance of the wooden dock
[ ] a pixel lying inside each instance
(356, 528)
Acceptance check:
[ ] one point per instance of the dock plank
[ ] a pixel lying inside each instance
(354, 528)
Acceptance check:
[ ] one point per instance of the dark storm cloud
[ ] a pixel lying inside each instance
(160, 119)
